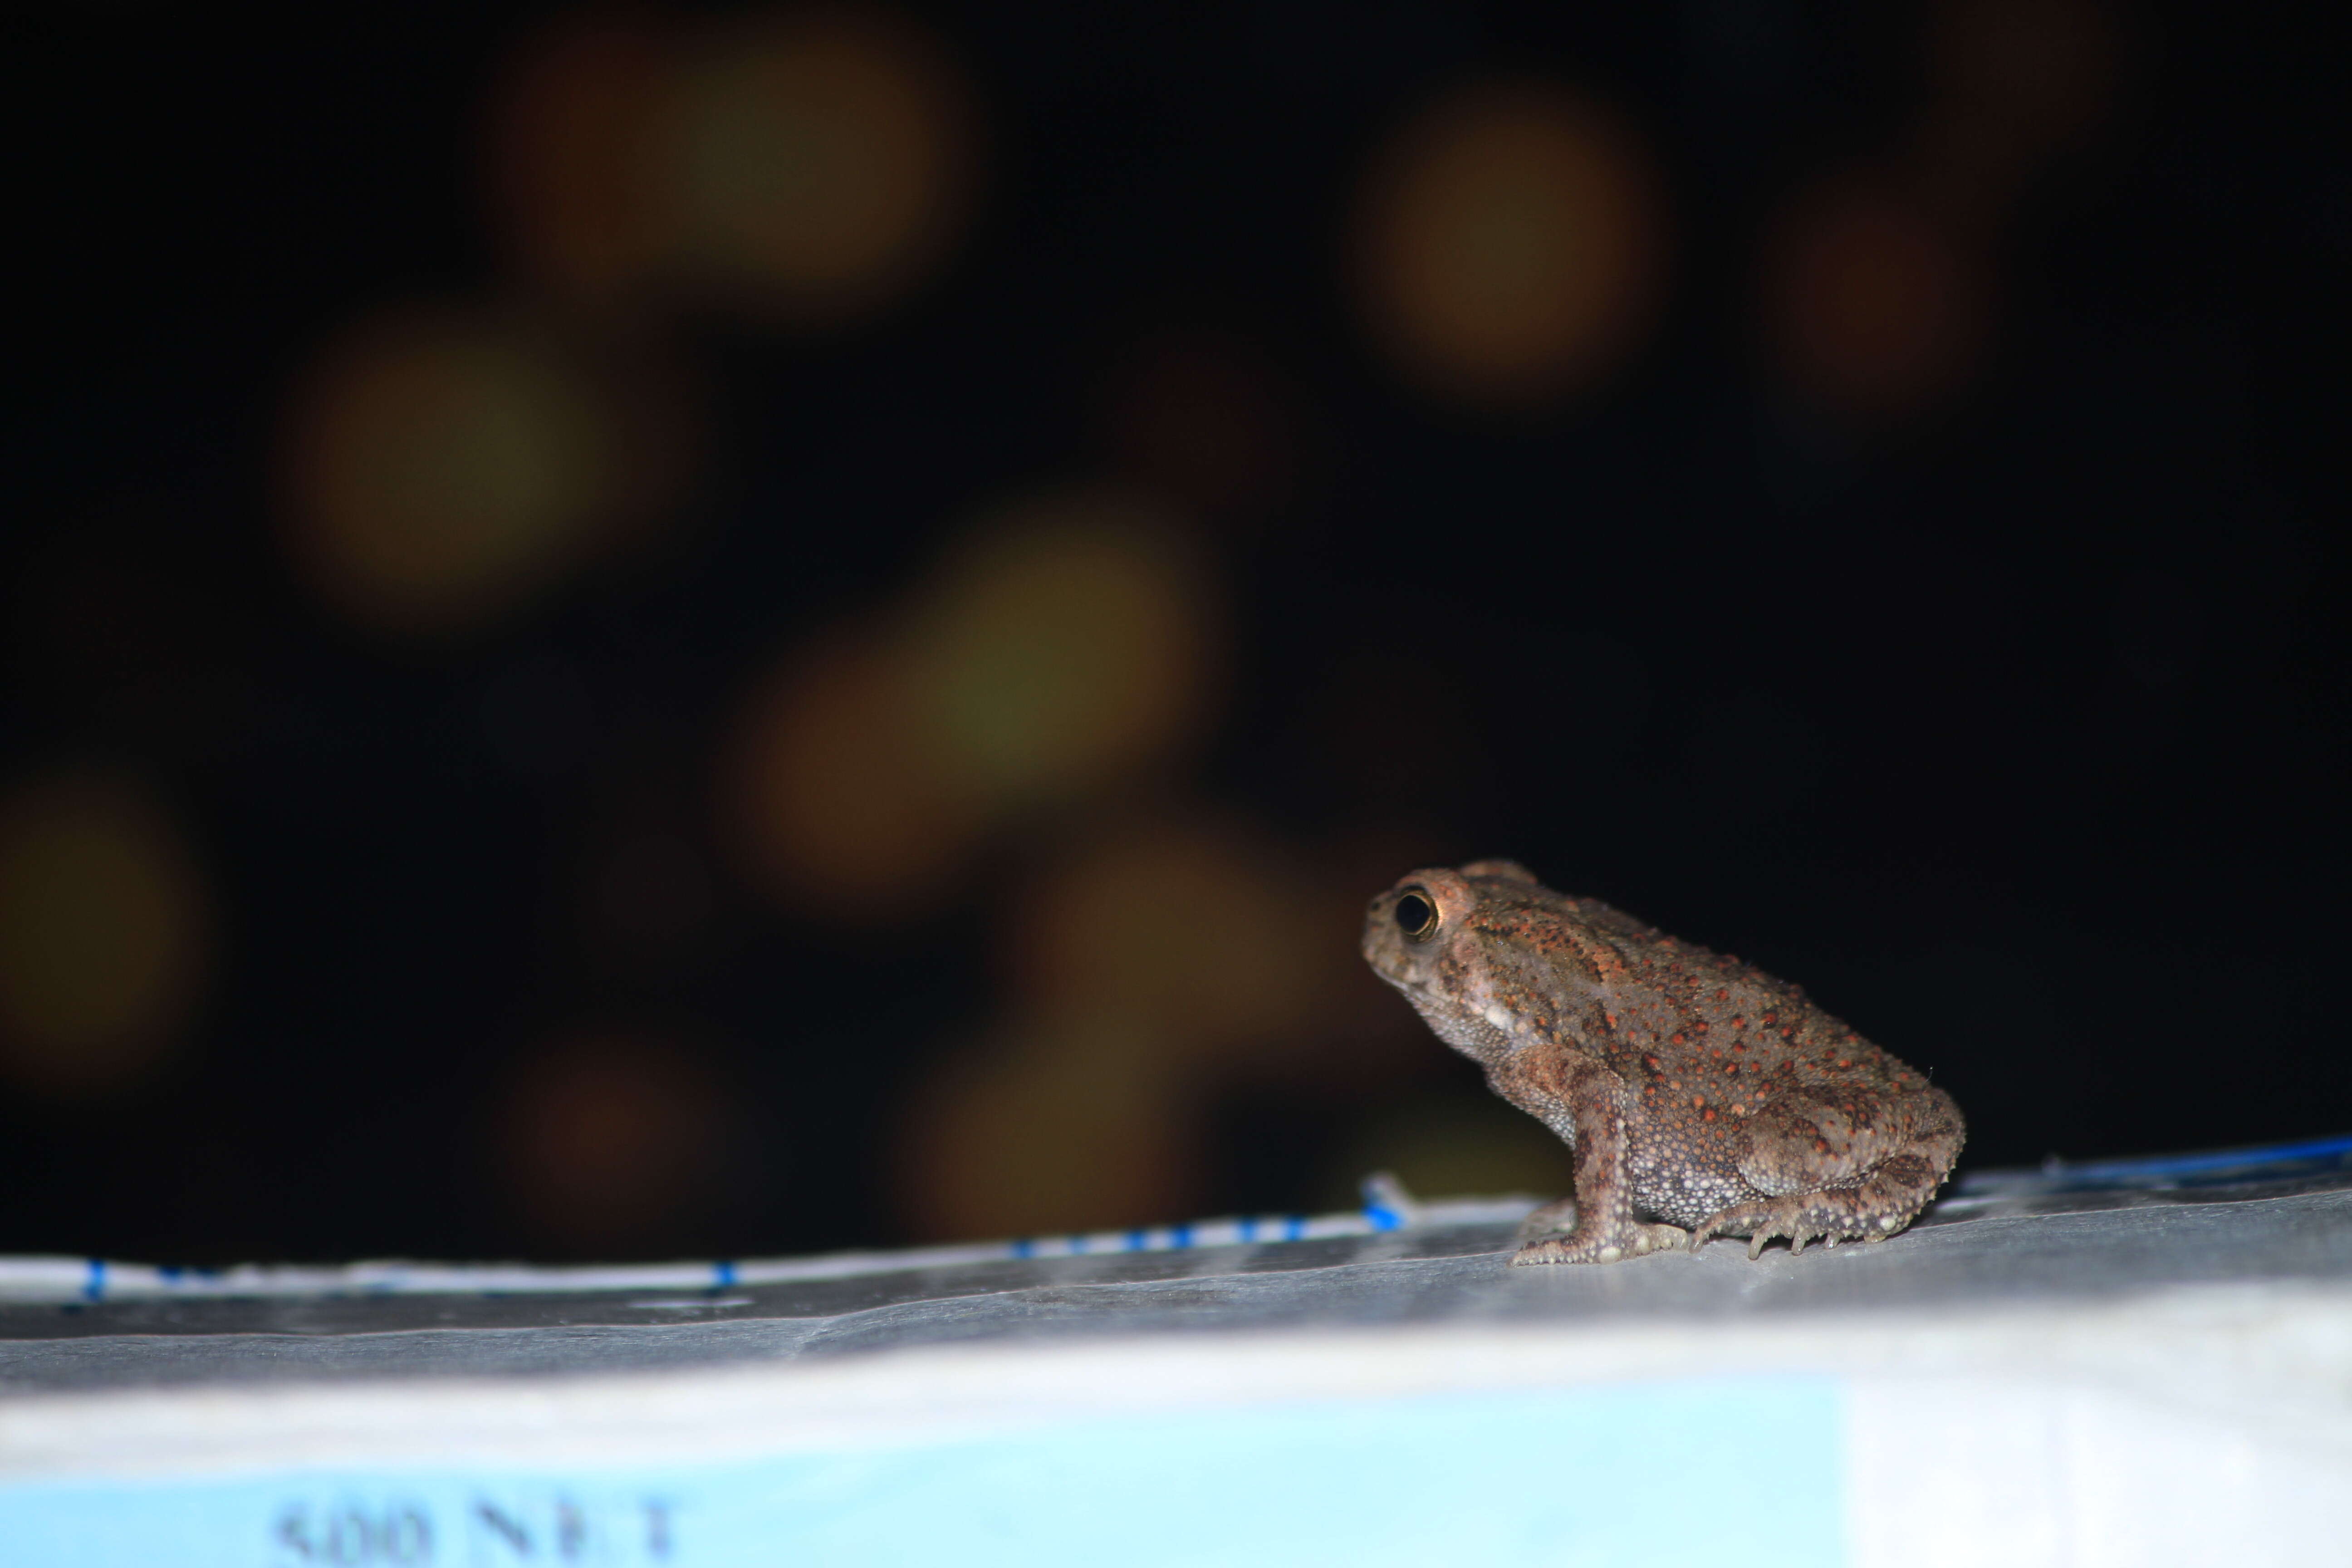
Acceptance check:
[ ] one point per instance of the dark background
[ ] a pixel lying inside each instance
(2011, 718)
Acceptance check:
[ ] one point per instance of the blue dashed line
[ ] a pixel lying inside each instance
(726, 1274)
(2224, 1160)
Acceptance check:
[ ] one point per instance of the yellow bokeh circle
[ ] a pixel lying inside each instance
(820, 160)
(1509, 244)
(438, 469)
(105, 934)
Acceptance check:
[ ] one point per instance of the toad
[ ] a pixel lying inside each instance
(1699, 1097)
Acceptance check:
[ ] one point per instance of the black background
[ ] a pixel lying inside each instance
(2019, 735)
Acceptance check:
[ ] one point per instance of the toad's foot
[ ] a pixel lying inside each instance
(1831, 1216)
(1630, 1240)
(1872, 1209)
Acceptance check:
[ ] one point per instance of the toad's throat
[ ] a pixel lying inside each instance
(1483, 1033)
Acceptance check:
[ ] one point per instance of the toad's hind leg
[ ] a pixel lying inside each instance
(1872, 1207)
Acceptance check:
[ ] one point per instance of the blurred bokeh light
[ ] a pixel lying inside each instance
(573, 171)
(105, 934)
(1068, 641)
(439, 466)
(823, 161)
(1064, 645)
(1072, 1123)
(610, 1140)
(1215, 935)
(1872, 309)
(2017, 83)
(1509, 244)
(837, 796)
(1159, 963)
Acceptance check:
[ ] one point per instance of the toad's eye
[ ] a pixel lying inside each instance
(1416, 916)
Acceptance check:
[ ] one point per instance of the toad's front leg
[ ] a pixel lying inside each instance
(1603, 1227)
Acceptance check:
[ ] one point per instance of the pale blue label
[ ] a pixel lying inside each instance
(1748, 1471)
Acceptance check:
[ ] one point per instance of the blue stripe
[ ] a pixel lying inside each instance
(2127, 1172)
(1370, 1483)
(94, 1287)
(722, 1275)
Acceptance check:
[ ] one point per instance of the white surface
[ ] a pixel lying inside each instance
(1958, 1472)
(2167, 1382)
(2206, 1426)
